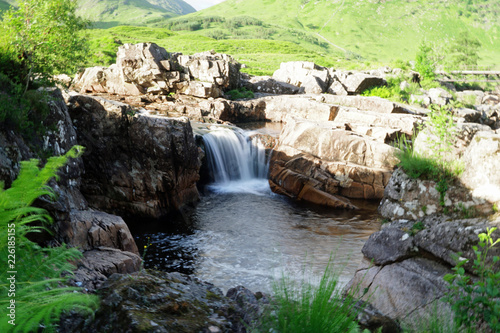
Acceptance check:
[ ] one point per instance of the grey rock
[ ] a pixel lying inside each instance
(358, 82)
(388, 246)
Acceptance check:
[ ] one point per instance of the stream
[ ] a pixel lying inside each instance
(241, 233)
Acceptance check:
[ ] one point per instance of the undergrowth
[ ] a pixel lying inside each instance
(305, 307)
(33, 289)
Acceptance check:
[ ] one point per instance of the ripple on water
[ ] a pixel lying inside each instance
(248, 238)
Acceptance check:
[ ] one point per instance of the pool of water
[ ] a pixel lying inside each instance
(243, 234)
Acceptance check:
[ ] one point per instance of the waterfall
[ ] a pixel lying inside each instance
(237, 162)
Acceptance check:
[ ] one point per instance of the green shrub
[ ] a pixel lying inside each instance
(476, 300)
(39, 294)
(304, 307)
(424, 62)
(240, 93)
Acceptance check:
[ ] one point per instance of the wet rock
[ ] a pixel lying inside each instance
(167, 302)
(136, 165)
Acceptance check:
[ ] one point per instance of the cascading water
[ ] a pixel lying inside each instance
(236, 161)
(246, 235)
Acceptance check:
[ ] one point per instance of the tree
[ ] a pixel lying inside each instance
(464, 51)
(424, 63)
(45, 35)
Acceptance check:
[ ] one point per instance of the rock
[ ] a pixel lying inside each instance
(136, 165)
(312, 162)
(481, 160)
(98, 264)
(358, 82)
(251, 305)
(307, 75)
(364, 103)
(278, 108)
(470, 97)
(404, 290)
(165, 302)
(469, 115)
(490, 99)
(404, 85)
(406, 198)
(266, 84)
(447, 239)
(336, 88)
(423, 100)
(88, 230)
(439, 96)
(406, 124)
(388, 246)
(146, 68)
(320, 140)
(220, 69)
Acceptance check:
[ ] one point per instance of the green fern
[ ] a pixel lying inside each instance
(41, 295)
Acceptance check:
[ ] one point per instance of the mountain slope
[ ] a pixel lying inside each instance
(109, 13)
(376, 30)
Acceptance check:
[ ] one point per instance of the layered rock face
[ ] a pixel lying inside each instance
(136, 165)
(147, 68)
(104, 239)
(330, 160)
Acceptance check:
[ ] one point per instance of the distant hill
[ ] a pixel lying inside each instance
(374, 30)
(109, 13)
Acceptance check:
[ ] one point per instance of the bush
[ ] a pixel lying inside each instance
(34, 278)
(304, 307)
(240, 93)
(476, 301)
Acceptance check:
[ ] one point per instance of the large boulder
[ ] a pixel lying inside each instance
(312, 78)
(319, 156)
(147, 68)
(481, 160)
(266, 84)
(136, 165)
(356, 83)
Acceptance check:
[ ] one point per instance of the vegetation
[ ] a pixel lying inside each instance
(369, 30)
(240, 93)
(33, 283)
(475, 301)
(43, 34)
(304, 307)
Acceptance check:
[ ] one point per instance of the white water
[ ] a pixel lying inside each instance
(237, 162)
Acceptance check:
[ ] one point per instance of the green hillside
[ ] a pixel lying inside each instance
(109, 13)
(374, 30)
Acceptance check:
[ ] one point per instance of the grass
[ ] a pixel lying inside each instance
(372, 30)
(305, 307)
